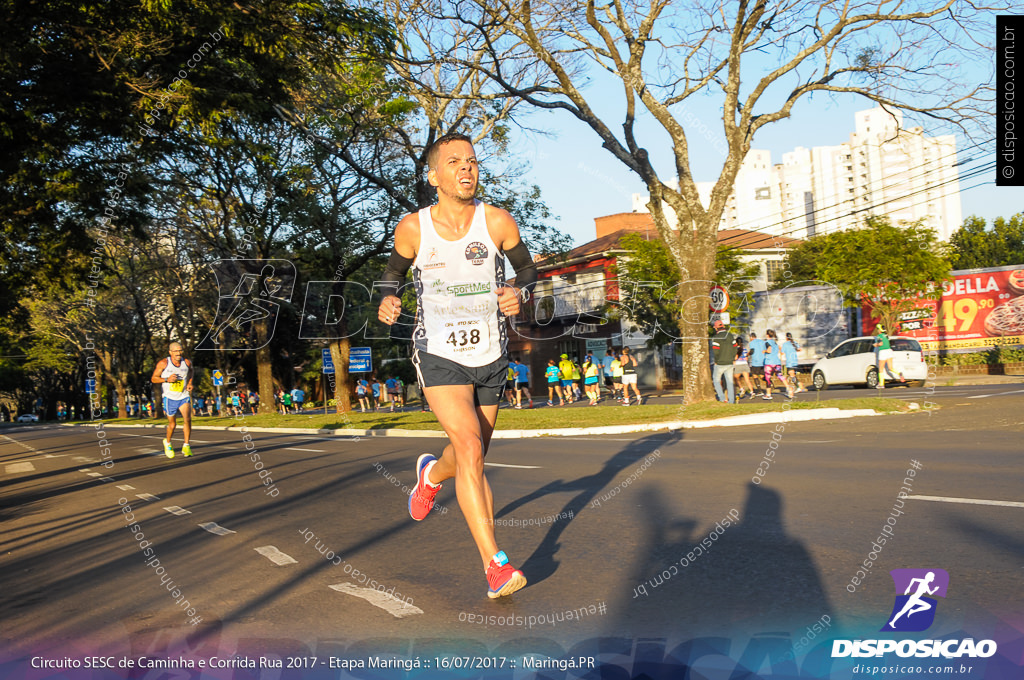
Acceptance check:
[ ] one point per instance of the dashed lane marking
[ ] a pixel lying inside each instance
(147, 496)
(16, 468)
(276, 556)
(126, 487)
(389, 603)
(310, 450)
(177, 510)
(969, 501)
(217, 529)
(506, 465)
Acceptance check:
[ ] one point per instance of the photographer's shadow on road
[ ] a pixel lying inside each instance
(543, 563)
(728, 577)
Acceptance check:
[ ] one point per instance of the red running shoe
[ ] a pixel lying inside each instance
(502, 578)
(421, 500)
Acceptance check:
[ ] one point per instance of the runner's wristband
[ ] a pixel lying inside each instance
(394, 274)
(526, 269)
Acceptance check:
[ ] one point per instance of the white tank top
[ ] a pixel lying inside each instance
(457, 314)
(176, 389)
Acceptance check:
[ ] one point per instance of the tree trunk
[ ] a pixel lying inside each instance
(264, 368)
(120, 384)
(693, 251)
(339, 354)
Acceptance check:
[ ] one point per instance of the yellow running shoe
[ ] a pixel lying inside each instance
(168, 449)
(186, 450)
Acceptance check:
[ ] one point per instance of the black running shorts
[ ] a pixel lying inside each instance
(489, 380)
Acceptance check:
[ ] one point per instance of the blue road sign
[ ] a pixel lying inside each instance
(328, 361)
(360, 360)
(218, 378)
(90, 386)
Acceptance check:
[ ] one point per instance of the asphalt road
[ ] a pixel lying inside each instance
(607, 527)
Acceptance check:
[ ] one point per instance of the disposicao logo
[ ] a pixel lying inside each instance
(914, 611)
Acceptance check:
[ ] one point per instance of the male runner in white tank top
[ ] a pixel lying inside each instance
(457, 249)
(175, 374)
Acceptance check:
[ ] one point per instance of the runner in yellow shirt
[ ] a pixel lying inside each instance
(617, 376)
(565, 369)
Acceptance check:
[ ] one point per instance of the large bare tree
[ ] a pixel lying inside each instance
(757, 59)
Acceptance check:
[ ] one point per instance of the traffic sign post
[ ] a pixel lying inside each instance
(719, 304)
(218, 378)
(328, 360)
(360, 360)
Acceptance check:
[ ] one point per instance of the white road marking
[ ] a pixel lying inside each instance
(994, 394)
(312, 450)
(15, 468)
(83, 459)
(85, 470)
(94, 474)
(276, 556)
(126, 487)
(107, 479)
(971, 501)
(215, 528)
(596, 439)
(148, 451)
(147, 496)
(389, 603)
(505, 465)
(177, 510)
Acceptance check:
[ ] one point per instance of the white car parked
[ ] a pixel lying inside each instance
(28, 418)
(854, 362)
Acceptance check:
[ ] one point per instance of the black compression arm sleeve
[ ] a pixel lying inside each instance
(526, 269)
(394, 274)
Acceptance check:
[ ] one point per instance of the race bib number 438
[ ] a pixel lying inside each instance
(468, 337)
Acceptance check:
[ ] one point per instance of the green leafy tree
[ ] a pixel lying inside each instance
(891, 267)
(648, 280)
(974, 245)
(92, 88)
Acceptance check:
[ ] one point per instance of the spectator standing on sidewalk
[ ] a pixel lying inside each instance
(723, 349)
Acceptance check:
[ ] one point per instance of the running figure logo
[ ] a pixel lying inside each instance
(914, 610)
(251, 293)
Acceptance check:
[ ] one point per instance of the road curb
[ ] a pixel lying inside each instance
(789, 416)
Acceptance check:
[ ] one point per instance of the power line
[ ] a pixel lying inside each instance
(963, 176)
(870, 189)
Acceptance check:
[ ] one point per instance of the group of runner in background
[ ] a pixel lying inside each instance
(374, 395)
(572, 381)
(750, 368)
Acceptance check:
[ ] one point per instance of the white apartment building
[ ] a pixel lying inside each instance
(883, 169)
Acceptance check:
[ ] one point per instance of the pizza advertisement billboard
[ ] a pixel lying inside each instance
(978, 308)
